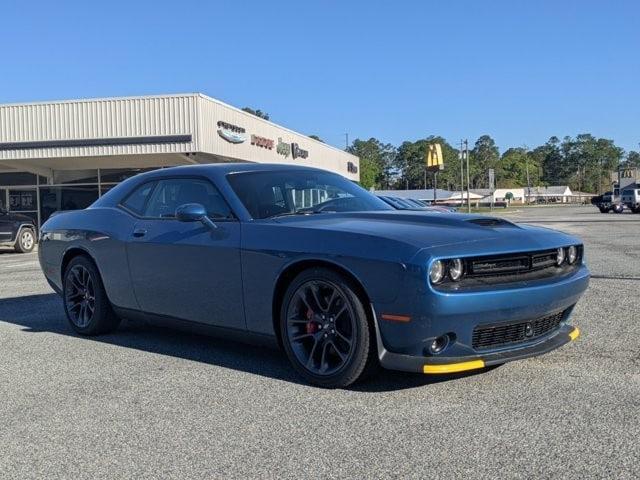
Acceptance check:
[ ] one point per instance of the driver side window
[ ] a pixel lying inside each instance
(174, 192)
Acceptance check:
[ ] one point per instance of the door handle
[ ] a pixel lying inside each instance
(140, 232)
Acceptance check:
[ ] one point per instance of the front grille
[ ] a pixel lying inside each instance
(511, 264)
(488, 336)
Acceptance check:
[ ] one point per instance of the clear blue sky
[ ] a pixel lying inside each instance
(520, 71)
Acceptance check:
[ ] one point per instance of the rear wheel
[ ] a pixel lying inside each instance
(325, 330)
(604, 210)
(85, 300)
(26, 241)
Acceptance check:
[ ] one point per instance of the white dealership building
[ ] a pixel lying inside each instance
(63, 155)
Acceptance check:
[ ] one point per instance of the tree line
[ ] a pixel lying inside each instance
(584, 163)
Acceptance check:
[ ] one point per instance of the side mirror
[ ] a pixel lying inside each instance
(190, 212)
(194, 212)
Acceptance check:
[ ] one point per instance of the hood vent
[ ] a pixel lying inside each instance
(490, 222)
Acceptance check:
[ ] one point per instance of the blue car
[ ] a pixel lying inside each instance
(308, 260)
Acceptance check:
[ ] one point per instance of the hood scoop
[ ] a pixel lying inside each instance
(491, 222)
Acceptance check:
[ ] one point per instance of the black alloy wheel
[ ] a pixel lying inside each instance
(85, 300)
(80, 296)
(325, 330)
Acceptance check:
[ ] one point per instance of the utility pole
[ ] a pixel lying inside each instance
(461, 157)
(466, 154)
(346, 140)
(526, 162)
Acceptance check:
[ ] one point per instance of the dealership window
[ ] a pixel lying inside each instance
(117, 175)
(19, 178)
(53, 199)
(61, 177)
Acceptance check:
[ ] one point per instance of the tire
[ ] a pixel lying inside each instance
(618, 209)
(26, 241)
(85, 300)
(327, 336)
(604, 210)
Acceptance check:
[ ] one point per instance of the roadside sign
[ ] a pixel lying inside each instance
(433, 157)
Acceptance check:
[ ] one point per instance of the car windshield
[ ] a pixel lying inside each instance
(300, 192)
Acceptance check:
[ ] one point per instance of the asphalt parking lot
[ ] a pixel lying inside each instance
(152, 403)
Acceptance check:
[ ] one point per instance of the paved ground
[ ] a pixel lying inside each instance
(150, 403)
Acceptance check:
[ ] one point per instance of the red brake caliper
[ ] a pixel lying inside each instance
(312, 327)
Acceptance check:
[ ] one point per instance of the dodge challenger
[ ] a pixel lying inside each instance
(307, 260)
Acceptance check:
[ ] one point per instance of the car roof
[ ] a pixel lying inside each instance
(232, 167)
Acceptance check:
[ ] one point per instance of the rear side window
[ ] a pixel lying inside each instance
(136, 201)
(174, 192)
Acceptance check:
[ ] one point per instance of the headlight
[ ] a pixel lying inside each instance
(456, 269)
(436, 273)
(572, 254)
(560, 257)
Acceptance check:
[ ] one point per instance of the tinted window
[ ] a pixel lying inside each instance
(268, 194)
(172, 193)
(137, 200)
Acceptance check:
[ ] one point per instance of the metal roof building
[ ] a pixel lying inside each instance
(64, 154)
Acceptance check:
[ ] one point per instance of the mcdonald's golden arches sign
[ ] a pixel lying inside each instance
(434, 158)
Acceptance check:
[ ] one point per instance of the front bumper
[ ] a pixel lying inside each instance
(403, 345)
(444, 365)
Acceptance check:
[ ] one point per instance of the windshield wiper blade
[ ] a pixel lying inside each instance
(299, 212)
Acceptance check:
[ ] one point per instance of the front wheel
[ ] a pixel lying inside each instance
(85, 300)
(325, 331)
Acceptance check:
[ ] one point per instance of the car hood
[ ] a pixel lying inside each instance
(433, 230)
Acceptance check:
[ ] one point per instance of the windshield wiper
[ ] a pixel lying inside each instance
(299, 212)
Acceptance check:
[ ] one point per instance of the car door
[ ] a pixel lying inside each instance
(187, 270)
(6, 227)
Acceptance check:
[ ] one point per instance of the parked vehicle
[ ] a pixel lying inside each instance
(628, 183)
(17, 231)
(608, 202)
(344, 285)
(631, 198)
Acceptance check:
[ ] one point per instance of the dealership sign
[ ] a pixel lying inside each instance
(262, 142)
(296, 151)
(352, 167)
(231, 133)
(283, 148)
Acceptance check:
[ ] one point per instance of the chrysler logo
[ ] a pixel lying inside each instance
(231, 133)
(231, 136)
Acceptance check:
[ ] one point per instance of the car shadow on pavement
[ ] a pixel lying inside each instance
(44, 313)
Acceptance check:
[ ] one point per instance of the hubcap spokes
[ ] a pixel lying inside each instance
(321, 327)
(80, 296)
(26, 240)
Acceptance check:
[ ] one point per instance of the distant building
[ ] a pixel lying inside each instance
(442, 196)
(551, 194)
